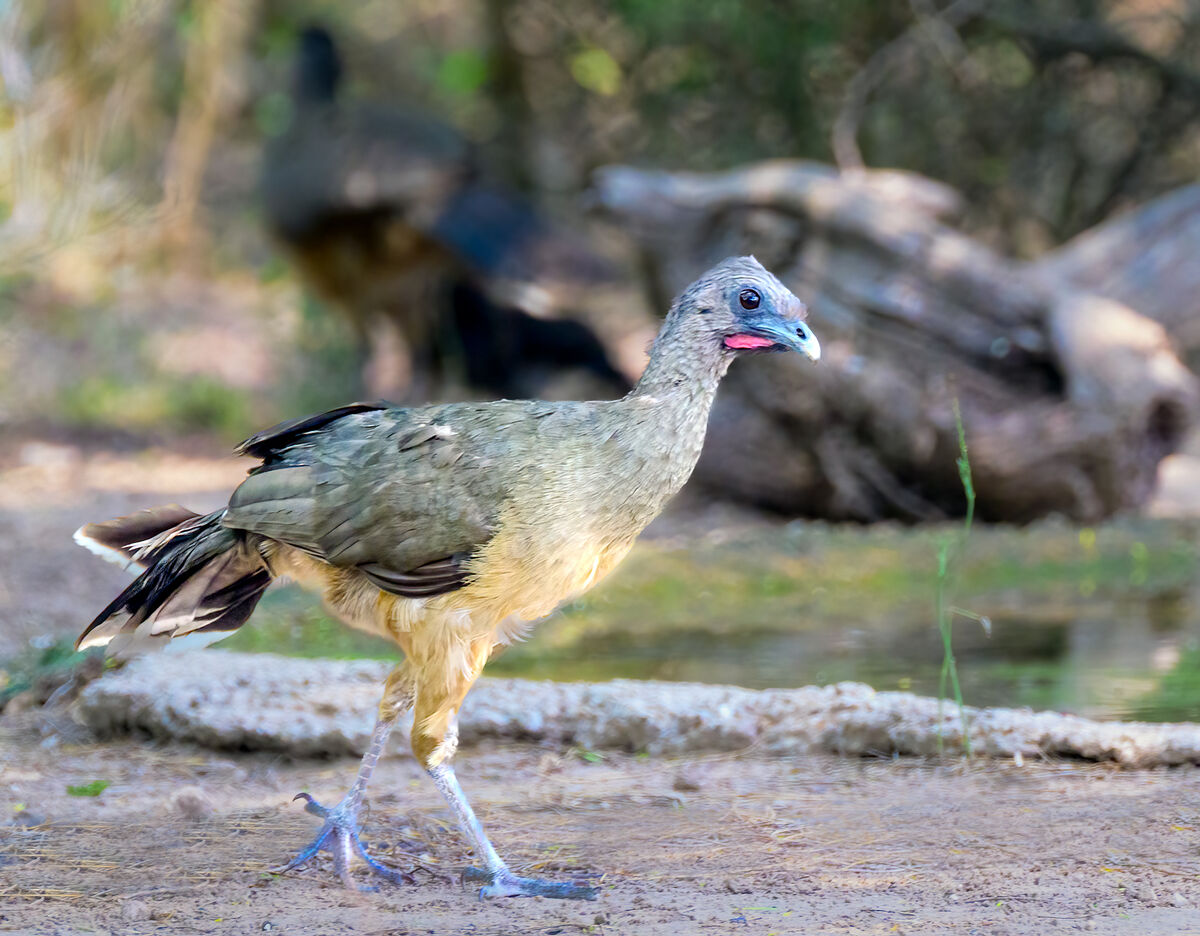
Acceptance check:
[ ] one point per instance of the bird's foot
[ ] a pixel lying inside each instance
(339, 836)
(504, 883)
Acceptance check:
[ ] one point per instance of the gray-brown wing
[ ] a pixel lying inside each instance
(406, 496)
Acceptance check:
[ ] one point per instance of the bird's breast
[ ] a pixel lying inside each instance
(514, 583)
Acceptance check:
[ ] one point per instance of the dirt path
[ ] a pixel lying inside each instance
(728, 844)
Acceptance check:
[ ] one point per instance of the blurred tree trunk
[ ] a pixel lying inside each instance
(215, 48)
(508, 93)
(1070, 400)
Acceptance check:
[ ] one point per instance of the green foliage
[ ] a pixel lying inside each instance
(326, 366)
(692, 70)
(1177, 695)
(462, 72)
(597, 71)
(11, 287)
(95, 788)
(288, 621)
(273, 114)
(184, 404)
(23, 671)
(201, 403)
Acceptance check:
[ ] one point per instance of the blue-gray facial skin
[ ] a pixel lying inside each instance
(762, 327)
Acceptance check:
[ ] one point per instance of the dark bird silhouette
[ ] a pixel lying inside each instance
(387, 215)
(446, 529)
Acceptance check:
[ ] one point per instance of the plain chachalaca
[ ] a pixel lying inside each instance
(446, 529)
(386, 215)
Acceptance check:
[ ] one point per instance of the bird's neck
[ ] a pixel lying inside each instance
(686, 366)
(671, 403)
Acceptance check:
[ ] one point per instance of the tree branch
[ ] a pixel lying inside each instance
(1099, 43)
(846, 152)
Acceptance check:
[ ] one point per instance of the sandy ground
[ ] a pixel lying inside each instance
(182, 840)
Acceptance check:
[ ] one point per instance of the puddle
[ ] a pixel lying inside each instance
(1103, 622)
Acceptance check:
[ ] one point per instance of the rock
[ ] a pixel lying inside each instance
(21, 702)
(237, 701)
(134, 911)
(192, 803)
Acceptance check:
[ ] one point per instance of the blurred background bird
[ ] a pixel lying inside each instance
(453, 283)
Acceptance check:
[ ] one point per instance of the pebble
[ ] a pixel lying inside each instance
(21, 702)
(134, 911)
(193, 804)
(1143, 892)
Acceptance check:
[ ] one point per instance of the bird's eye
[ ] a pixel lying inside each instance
(749, 299)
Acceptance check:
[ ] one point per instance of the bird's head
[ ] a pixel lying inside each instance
(318, 67)
(745, 309)
(735, 308)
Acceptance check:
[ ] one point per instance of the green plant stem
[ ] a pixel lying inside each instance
(944, 614)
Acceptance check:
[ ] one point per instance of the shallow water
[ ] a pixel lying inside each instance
(1102, 622)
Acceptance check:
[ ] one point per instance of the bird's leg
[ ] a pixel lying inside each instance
(434, 740)
(339, 831)
(497, 879)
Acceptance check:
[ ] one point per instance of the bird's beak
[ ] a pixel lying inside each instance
(777, 334)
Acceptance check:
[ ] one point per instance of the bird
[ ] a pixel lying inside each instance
(448, 529)
(387, 215)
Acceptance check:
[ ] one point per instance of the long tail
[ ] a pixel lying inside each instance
(199, 578)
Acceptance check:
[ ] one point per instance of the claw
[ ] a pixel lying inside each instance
(339, 835)
(506, 884)
(392, 874)
(312, 806)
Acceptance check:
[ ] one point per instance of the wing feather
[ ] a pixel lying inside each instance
(407, 496)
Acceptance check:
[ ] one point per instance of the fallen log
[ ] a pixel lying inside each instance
(1070, 400)
(1147, 258)
(247, 702)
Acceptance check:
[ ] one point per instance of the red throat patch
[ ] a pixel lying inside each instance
(747, 341)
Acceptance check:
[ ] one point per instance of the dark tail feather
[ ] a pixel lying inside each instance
(119, 540)
(200, 578)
